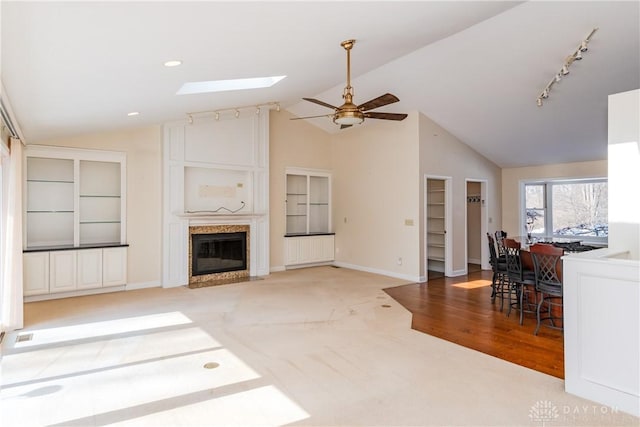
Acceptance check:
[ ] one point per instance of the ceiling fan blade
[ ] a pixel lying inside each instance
(345, 126)
(317, 101)
(380, 101)
(386, 116)
(311, 117)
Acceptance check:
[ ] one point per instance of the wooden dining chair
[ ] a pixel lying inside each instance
(522, 280)
(547, 263)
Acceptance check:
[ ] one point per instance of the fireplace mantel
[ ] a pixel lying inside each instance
(218, 217)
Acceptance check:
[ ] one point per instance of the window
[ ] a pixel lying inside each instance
(567, 209)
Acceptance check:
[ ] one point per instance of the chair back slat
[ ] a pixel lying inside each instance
(493, 257)
(500, 236)
(512, 255)
(547, 263)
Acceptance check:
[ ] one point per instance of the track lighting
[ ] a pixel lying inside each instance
(234, 110)
(575, 56)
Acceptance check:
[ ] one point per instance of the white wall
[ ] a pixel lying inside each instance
(512, 177)
(442, 154)
(144, 186)
(624, 172)
(376, 189)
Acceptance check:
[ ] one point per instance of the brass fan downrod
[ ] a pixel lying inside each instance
(348, 110)
(348, 90)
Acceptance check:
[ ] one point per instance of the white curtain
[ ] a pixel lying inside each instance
(11, 280)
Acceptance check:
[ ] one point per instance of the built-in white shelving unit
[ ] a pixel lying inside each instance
(436, 224)
(309, 238)
(75, 204)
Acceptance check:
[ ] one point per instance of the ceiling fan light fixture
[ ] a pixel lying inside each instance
(348, 118)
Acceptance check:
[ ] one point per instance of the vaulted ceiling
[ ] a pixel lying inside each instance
(476, 68)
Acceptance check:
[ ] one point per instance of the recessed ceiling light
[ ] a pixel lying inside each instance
(227, 85)
(133, 113)
(173, 63)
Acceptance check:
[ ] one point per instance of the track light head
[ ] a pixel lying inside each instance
(237, 113)
(578, 55)
(558, 77)
(217, 116)
(539, 102)
(190, 119)
(565, 70)
(545, 93)
(583, 46)
(278, 107)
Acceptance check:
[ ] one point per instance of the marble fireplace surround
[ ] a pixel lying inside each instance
(227, 276)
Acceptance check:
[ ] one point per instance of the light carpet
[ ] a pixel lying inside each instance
(319, 346)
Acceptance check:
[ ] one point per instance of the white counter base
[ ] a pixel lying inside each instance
(602, 328)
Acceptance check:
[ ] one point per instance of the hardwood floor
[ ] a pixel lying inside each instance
(460, 310)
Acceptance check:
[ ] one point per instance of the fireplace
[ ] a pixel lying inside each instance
(218, 254)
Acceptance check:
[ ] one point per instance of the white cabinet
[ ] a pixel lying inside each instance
(309, 249)
(74, 217)
(114, 266)
(89, 263)
(62, 271)
(69, 271)
(308, 238)
(36, 273)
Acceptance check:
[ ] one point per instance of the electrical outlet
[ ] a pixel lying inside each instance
(408, 222)
(345, 219)
(399, 261)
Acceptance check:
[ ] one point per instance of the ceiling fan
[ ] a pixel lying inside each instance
(349, 114)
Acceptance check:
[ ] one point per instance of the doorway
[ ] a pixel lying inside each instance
(437, 220)
(476, 226)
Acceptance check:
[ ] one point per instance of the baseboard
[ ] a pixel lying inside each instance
(142, 285)
(407, 277)
(457, 273)
(83, 292)
(311, 264)
(277, 269)
(474, 261)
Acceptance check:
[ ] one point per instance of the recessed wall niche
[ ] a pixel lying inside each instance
(217, 190)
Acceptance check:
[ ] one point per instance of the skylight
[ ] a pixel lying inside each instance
(227, 85)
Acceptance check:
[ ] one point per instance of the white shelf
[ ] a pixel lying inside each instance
(308, 203)
(73, 197)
